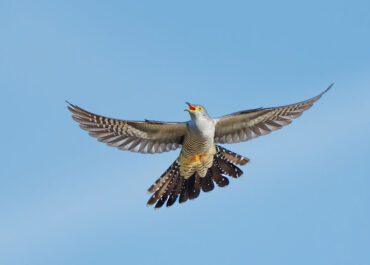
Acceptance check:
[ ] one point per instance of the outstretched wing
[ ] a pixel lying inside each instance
(135, 136)
(245, 125)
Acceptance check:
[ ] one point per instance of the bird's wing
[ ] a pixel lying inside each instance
(135, 136)
(245, 125)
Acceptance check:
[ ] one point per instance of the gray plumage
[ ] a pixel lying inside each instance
(201, 161)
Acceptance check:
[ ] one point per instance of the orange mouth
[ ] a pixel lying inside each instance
(191, 107)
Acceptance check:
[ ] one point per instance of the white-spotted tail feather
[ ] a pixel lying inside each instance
(171, 185)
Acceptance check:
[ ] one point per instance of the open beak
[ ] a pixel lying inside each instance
(191, 107)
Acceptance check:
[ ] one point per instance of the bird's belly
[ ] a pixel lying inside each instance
(196, 156)
(193, 146)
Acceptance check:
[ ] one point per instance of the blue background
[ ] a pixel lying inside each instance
(67, 199)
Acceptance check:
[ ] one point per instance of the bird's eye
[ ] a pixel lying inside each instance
(200, 108)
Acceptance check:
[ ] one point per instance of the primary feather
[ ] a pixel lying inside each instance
(201, 162)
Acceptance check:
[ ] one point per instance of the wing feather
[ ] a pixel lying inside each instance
(135, 136)
(248, 124)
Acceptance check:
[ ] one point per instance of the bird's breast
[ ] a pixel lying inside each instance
(202, 127)
(196, 145)
(199, 138)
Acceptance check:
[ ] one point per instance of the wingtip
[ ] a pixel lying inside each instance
(70, 105)
(326, 90)
(322, 93)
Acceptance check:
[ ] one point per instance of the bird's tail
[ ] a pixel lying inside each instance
(172, 185)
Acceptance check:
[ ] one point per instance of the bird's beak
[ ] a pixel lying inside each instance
(191, 107)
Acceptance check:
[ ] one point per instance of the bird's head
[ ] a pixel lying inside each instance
(196, 111)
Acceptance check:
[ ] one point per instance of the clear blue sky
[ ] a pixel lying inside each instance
(67, 199)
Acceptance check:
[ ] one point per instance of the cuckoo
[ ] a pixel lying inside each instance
(202, 162)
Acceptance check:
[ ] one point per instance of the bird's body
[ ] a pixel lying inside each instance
(198, 147)
(202, 162)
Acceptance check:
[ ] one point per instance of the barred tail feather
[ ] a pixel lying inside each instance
(194, 188)
(217, 176)
(164, 185)
(171, 170)
(231, 156)
(172, 185)
(175, 192)
(228, 168)
(184, 191)
(207, 182)
(168, 190)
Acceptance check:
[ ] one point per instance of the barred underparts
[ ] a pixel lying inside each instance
(201, 162)
(172, 184)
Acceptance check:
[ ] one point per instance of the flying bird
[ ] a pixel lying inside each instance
(202, 161)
